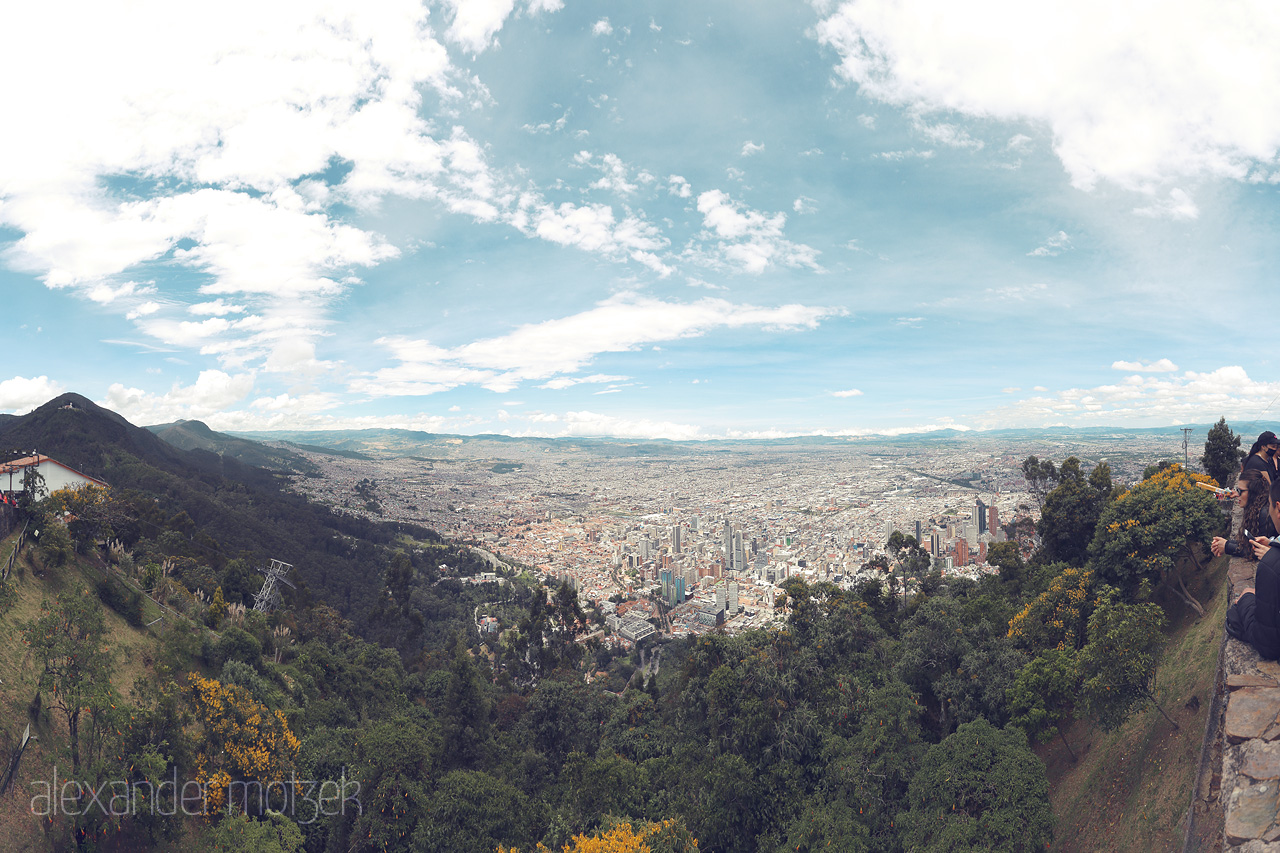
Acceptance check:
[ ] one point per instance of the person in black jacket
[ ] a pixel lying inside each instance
(1253, 495)
(1262, 456)
(1255, 617)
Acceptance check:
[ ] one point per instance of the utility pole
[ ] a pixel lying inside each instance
(1186, 433)
(269, 595)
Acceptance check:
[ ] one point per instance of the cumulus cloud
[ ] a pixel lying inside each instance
(475, 23)
(594, 228)
(241, 162)
(852, 392)
(1055, 245)
(678, 186)
(1132, 99)
(614, 173)
(1164, 365)
(555, 349)
(213, 391)
(746, 239)
(602, 27)
(1187, 398)
(20, 395)
(749, 148)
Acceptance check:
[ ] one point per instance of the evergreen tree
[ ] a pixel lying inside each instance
(1222, 453)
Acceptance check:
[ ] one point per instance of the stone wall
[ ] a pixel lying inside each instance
(1251, 739)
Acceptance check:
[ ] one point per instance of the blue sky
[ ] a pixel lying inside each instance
(682, 220)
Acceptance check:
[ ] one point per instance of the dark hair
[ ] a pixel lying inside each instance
(1255, 517)
(1266, 438)
(1275, 491)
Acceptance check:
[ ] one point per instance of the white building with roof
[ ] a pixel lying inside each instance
(54, 475)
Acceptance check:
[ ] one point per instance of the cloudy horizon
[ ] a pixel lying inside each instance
(547, 217)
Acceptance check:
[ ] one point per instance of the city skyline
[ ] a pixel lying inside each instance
(655, 221)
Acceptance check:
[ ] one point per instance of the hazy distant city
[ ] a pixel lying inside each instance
(700, 535)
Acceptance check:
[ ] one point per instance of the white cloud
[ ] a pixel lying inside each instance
(909, 154)
(213, 391)
(586, 423)
(602, 27)
(852, 392)
(1156, 400)
(1055, 245)
(1136, 99)
(1178, 206)
(143, 310)
(749, 148)
(1019, 143)
(592, 227)
(562, 382)
(217, 308)
(678, 186)
(748, 240)
(475, 23)
(211, 167)
(1013, 389)
(1018, 292)
(105, 294)
(1164, 365)
(946, 134)
(804, 205)
(869, 122)
(551, 349)
(20, 395)
(614, 173)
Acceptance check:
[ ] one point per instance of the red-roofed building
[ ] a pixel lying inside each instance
(55, 475)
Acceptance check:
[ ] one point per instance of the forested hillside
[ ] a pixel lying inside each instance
(870, 722)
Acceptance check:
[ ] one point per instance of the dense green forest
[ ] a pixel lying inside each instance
(871, 721)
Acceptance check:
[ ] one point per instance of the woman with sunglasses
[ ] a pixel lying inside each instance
(1252, 496)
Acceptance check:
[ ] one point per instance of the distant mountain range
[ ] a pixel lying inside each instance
(401, 442)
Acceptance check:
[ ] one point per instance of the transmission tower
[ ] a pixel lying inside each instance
(1186, 456)
(269, 596)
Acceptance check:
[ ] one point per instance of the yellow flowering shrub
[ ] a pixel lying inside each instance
(241, 739)
(670, 835)
(1057, 618)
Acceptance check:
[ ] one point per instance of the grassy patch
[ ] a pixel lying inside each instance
(1131, 788)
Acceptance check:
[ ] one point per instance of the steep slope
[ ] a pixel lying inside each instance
(222, 507)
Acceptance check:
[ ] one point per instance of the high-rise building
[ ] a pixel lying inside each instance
(666, 585)
(980, 516)
(993, 519)
(731, 603)
(962, 552)
(919, 532)
(675, 539)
